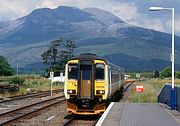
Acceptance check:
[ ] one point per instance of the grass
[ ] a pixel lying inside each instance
(151, 90)
(158, 83)
(147, 96)
(35, 82)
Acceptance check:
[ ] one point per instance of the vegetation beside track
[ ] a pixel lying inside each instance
(158, 83)
(151, 90)
(35, 82)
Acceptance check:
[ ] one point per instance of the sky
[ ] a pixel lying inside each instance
(134, 12)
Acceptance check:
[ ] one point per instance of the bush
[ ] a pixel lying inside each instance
(156, 73)
(177, 75)
(17, 80)
(5, 67)
(166, 72)
(146, 74)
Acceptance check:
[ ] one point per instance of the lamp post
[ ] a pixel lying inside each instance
(172, 54)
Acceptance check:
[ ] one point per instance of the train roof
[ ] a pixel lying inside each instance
(88, 56)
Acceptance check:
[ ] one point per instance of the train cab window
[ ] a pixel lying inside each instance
(99, 71)
(72, 71)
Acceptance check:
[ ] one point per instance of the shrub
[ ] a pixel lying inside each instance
(146, 74)
(156, 73)
(166, 72)
(177, 75)
(5, 67)
(17, 80)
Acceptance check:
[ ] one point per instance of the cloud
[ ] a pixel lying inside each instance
(13, 9)
(176, 23)
(129, 13)
(152, 24)
(126, 11)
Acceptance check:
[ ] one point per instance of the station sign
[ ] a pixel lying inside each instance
(139, 88)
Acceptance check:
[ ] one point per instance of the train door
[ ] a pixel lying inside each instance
(85, 81)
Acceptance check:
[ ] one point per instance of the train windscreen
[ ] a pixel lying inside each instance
(99, 72)
(72, 71)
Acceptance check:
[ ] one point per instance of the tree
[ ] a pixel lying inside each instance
(50, 56)
(58, 53)
(166, 72)
(177, 75)
(156, 73)
(5, 67)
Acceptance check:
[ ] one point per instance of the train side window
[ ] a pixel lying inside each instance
(114, 76)
(72, 71)
(99, 71)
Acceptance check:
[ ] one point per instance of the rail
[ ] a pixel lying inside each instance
(16, 114)
(81, 120)
(18, 97)
(66, 123)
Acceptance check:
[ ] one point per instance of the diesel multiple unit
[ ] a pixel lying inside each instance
(90, 81)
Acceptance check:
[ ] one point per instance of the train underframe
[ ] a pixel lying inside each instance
(86, 106)
(91, 106)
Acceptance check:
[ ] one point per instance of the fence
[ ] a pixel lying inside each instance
(165, 95)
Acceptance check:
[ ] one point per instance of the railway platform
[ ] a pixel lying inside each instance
(138, 114)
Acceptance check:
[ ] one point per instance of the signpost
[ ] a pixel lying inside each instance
(139, 89)
(138, 76)
(61, 77)
(51, 77)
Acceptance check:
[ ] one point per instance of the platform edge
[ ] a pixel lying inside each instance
(99, 123)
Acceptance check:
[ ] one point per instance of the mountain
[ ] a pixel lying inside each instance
(94, 30)
(45, 24)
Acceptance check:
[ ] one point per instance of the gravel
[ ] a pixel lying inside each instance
(7, 106)
(54, 116)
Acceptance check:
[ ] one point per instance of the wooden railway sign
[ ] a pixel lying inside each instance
(139, 88)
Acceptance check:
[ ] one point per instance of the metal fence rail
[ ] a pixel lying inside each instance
(164, 95)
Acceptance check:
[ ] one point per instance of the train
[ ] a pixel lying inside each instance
(90, 83)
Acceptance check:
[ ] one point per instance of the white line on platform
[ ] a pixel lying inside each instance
(50, 118)
(99, 123)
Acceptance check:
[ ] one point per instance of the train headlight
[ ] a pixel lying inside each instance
(100, 92)
(71, 91)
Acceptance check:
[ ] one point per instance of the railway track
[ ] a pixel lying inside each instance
(82, 121)
(128, 85)
(20, 113)
(68, 121)
(18, 97)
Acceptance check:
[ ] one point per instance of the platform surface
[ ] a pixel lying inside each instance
(139, 114)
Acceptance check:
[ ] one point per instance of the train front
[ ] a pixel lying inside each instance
(86, 85)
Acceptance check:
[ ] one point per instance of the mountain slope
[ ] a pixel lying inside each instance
(45, 24)
(94, 30)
